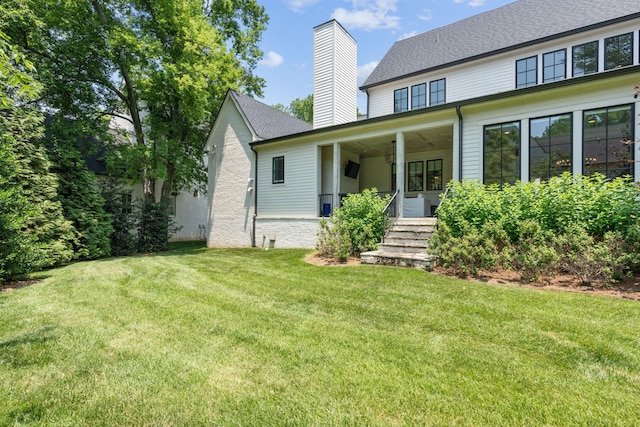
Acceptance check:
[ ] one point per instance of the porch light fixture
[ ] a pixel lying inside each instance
(390, 153)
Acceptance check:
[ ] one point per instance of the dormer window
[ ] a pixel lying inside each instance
(585, 59)
(437, 92)
(554, 66)
(400, 100)
(618, 51)
(418, 96)
(527, 72)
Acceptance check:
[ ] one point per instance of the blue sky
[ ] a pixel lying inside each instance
(287, 43)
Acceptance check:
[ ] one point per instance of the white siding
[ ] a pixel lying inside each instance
(335, 76)
(563, 100)
(496, 74)
(298, 195)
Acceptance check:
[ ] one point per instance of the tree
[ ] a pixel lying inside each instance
(33, 231)
(79, 194)
(300, 108)
(163, 66)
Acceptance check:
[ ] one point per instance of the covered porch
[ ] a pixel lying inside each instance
(416, 162)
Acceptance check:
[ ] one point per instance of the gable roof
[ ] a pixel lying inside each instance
(508, 27)
(265, 121)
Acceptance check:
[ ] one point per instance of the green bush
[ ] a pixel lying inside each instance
(355, 227)
(588, 226)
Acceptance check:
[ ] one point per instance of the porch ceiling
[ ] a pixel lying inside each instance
(429, 139)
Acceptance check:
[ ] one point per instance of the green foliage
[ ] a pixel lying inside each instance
(118, 206)
(587, 226)
(82, 203)
(153, 227)
(300, 108)
(356, 226)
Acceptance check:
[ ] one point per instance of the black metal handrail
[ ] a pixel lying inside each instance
(390, 211)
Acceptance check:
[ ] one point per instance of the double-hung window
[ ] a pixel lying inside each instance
(400, 100)
(277, 170)
(418, 96)
(618, 51)
(415, 172)
(501, 145)
(585, 59)
(434, 174)
(549, 146)
(527, 72)
(554, 66)
(437, 92)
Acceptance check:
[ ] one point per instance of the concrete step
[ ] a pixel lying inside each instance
(415, 235)
(428, 221)
(420, 261)
(409, 245)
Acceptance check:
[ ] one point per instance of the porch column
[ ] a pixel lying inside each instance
(336, 176)
(400, 172)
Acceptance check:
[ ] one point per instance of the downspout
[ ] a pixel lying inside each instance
(460, 122)
(255, 199)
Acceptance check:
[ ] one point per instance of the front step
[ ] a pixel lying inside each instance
(405, 245)
(420, 261)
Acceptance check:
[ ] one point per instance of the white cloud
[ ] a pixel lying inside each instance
(272, 60)
(300, 5)
(368, 15)
(425, 15)
(472, 3)
(365, 70)
(407, 35)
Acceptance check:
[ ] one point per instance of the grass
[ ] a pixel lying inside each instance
(248, 337)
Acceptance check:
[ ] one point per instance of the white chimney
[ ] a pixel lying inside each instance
(335, 77)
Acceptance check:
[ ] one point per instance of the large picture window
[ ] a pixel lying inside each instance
(501, 144)
(434, 174)
(618, 51)
(585, 59)
(400, 100)
(437, 92)
(419, 96)
(277, 170)
(607, 144)
(554, 66)
(415, 173)
(527, 72)
(549, 146)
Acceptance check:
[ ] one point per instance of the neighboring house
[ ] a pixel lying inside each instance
(523, 92)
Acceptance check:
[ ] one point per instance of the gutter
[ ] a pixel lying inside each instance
(255, 199)
(460, 123)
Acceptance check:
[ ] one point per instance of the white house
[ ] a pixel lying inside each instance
(523, 92)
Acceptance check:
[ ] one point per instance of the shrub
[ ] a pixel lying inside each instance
(355, 227)
(588, 226)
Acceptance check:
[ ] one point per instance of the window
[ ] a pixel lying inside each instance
(501, 153)
(277, 170)
(419, 96)
(550, 146)
(434, 174)
(415, 171)
(585, 59)
(400, 100)
(554, 65)
(527, 72)
(618, 51)
(437, 92)
(607, 143)
(173, 204)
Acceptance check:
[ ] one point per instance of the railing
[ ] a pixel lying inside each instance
(390, 211)
(326, 204)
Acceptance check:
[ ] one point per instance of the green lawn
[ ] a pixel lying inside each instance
(256, 338)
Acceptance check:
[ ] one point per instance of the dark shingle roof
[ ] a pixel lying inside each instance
(515, 24)
(268, 122)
